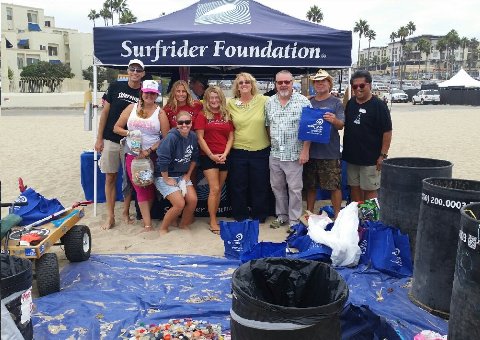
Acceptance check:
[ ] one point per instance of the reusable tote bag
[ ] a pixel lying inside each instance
(238, 237)
(313, 127)
(38, 207)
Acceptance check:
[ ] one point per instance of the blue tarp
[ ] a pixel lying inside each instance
(226, 33)
(33, 27)
(108, 294)
(23, 42)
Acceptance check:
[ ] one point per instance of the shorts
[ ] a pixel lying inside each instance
(322, 174)
(166, 189)
(206, 163)
(144, 194)
(367, 177)
(109, 162)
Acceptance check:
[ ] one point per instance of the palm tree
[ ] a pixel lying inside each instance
(361, 27)
(474, 53)
(411, 27)
(393, 36)
(408, 49)
(315, 14)
(464, 43)
(108, 5)
(453, 42)
(424, 46)
(119, 6)
(93, 15)
(442, 45)
(371, 35)
(105, 14)
(402, 33)
(127, 17)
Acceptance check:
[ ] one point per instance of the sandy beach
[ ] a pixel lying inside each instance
(44, 149)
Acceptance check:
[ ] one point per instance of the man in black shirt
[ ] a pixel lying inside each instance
(119, 95)
(367, 137)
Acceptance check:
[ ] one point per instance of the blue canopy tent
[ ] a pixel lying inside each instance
(222, 38)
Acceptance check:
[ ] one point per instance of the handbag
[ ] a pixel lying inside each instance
(313, 127)
(238, 237)
(38, 207)
(387, 249)
(142, 172)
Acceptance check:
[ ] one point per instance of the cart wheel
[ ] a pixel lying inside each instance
(47, 274)
(78, 243)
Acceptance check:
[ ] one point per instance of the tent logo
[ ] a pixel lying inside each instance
(223, 12)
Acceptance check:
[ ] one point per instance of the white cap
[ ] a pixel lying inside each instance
(150, 86)
(136, 61)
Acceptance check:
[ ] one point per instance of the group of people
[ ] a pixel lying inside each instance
(250, 140)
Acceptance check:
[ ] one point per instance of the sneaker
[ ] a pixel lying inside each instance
(277, 223)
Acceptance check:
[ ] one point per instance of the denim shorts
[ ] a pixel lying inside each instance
(166, 189)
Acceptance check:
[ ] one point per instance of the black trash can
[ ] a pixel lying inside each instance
(285, 299)
(437, 239)
(464, 320)
(16, 294)
(400, 191)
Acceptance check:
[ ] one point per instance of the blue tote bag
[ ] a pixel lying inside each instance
(313, 127)
(238, 237)
(38, 207)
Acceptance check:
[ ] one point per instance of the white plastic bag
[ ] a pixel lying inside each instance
(142, 171)
(182, 184)
(343, 238)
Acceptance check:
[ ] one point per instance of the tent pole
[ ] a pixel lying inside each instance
(95, 127)
(349, 94)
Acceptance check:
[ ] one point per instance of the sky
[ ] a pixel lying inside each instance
(384, 16)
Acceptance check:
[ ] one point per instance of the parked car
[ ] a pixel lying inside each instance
(396, 96)
(426, 96)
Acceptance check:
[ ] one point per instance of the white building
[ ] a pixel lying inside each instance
(30, 36)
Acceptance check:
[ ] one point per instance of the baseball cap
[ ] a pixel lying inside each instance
(150, 86)
(321, 75)
(136, 61)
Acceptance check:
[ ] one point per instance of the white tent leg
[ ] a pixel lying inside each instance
(95, 127)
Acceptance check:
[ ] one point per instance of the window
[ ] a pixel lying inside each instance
(43, 48)
(20, 61)
(32, 59)
(9, 13)
(52, 50)
(47, 23)
(32, 17)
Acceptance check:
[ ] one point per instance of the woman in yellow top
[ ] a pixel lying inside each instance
(249, 174)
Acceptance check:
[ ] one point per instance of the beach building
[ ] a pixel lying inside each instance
(30, 36)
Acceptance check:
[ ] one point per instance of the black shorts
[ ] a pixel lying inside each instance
(206, 163)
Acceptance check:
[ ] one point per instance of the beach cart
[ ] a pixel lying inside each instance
(34, 241)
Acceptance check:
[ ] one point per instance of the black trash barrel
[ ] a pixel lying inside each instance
(16, 294)
(285, 299)
(400, 191)
(437, 238)
(464, 320)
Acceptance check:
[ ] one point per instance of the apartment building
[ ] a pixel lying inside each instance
(30, 36)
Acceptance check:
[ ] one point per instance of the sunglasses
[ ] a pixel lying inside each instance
(356, 86)
(134, 69)
(246, 82)
(283, 82)
(184, 122)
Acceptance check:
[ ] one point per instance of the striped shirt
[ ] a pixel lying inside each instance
(283, 122)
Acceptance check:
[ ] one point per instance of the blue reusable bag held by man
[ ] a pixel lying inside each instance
(38, 207)
(313, 127)
(238, 237)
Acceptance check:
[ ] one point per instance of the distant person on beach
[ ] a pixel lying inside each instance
(214, 130)
(288, 154)
(198, 85)
(248, 175)
(119, 95)
(180, 99)
(367, 137)
(323, 169)
(145, 117)
(177, 157)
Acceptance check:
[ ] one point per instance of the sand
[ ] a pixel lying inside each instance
(44, 149)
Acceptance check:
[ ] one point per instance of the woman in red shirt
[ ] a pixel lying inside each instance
(214, 130)
(180, 99)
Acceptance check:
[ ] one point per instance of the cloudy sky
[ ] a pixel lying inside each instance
(384, 16)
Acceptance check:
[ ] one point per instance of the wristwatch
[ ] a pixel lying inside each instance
(384, 155)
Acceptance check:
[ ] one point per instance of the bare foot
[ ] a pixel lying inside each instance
(147, 229)
(163, 231)
(108, 224)
(128, 219)
(215, 228)
(184, 227)
(176, 223)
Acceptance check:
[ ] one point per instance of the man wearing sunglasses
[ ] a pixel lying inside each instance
(119, 95)
(288, 154)
(367, 137)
